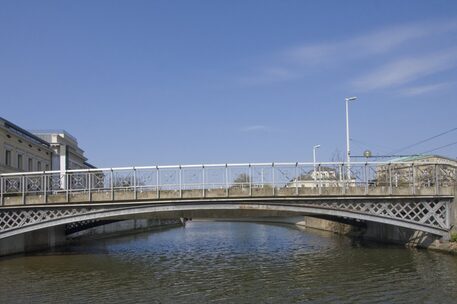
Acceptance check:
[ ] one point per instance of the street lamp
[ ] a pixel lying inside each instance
(348, 149)
(314, 160)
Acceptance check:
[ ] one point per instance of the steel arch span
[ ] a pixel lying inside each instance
(429, 215)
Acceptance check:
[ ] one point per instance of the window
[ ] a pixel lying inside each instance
(46, 167)
(30, 165)
(20, 166)
(8, 157)
(38, 166)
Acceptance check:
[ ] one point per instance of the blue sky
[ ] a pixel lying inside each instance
(169, 82)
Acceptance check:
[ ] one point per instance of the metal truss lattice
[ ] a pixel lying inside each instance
(426, 212)
(13, 219)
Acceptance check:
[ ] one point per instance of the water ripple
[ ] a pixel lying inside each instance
(226, 262)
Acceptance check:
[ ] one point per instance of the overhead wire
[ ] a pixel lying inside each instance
(439, 148)
(424, 140)
(366, 144)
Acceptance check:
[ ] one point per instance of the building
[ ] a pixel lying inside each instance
(321, 177)
(400, 170)
(21, 150)
(67, 155)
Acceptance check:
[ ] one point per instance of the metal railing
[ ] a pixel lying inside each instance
(329, 178)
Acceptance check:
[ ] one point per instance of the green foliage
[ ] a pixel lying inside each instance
(454, 236)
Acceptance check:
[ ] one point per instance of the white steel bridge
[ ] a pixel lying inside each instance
(418, 196)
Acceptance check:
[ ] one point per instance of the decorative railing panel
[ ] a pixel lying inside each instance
(300, 179)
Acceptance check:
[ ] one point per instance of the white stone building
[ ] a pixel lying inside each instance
(20, 150)
(322, 177)
(67, 155)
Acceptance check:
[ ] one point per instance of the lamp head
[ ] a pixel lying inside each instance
(351, 98)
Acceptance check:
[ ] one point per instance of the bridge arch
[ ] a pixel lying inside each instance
(26, 220)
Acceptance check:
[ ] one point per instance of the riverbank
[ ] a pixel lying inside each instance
(446, 247)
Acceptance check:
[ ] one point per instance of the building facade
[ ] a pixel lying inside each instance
(27, 151)
(426, 169)
(321, 177)
(21, 150)
(67, 155)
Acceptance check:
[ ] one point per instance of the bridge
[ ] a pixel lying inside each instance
(417, 196)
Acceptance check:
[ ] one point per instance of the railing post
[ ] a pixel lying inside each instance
(390, 179)
(23, 189)
(1, 190)
(437, 180)
(226, 181)
(67, 186)
(45, 189)
(296, 178)
(203, 181)
(414, 179)
(273, 177)
(180, 181)
(157, 182)
(343, 179)
(366, 177)
(112, 184)
(135, 194)
(89, 186)
(319, 185)
(250, 180)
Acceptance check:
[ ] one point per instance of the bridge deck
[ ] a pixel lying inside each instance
(141, 194)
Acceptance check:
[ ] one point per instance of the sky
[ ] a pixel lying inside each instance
(191, 82)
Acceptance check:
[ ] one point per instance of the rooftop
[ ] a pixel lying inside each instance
(61, 132)
(420, 157)
(22, 132)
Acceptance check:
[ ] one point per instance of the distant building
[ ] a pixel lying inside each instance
(21, 150)
(424, 166)
(67, 155)
(323, 176)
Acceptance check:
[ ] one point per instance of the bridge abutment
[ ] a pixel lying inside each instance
(377, 232)
(124, 227)
(52, 237)
(399, 235)
(42, 239)
(453, 214)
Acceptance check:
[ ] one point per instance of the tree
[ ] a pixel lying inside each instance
(241, 179)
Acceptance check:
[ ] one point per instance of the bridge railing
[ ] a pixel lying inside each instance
(259, 179)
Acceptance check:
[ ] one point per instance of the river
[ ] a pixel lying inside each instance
(230, 262)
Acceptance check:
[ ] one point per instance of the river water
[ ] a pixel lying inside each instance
(230, 262)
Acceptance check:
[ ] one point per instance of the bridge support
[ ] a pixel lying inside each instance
(52, 237)
(42, 239)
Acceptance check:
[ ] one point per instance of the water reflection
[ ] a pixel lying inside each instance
(230, 263)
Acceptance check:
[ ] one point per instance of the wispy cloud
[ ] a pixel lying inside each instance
(293, 62)
(375, 42)
(405, 70)
(424, 89)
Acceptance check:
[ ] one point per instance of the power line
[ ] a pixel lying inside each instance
(424, 140)
(366, 144)
(439, 148)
